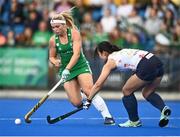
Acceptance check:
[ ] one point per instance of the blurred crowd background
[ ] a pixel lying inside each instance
(152, 25)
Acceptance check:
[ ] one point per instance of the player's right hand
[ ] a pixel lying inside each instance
(65, 75)
(87, 104)
(57, 63)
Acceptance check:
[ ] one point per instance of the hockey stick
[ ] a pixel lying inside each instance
(28, 115)
(59, 118)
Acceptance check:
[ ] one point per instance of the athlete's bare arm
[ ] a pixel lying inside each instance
(52, 52)
(110, 65)
(77, 44)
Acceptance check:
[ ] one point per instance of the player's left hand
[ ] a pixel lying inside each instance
(65, 74)
(87, 104)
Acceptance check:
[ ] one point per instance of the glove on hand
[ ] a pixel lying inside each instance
(65, 74)
(87, 104)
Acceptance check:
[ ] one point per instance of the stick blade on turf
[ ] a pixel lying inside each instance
(27, 120)
(49, 119)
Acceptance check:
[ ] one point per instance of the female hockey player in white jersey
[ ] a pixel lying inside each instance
(148, 72)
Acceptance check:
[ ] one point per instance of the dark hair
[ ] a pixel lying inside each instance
(106, 46)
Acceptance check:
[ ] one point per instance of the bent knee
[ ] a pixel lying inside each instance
(126, 91)
(146, 94)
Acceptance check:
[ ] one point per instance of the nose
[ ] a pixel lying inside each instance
(55, 29)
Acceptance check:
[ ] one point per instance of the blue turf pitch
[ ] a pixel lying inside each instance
(83, 123)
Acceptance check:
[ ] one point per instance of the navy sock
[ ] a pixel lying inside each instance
(156, 101)
(130, 104)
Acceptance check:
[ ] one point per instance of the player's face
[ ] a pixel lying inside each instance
(103, 55)
(58, 29)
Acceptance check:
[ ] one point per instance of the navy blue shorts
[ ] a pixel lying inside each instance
(149, 69)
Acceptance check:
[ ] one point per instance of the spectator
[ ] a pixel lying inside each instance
(4, 11)
(164, 29)
(11, 38)
(108, 21)
(117, 37)
(135, 43)
(132, 40)
(167, 4)
(33, 20)
(2, 40)
(46, 18)
(175, 40)
(87, 30)
(154, 4)
(20, 40)
(169, 19)
(134, 18)
(87, 26)
(128, 39)
(45, 15)
(42, 35)
(124, 9)
(110, 5)
(78, 12)
(62, 5)
(154, 21)
(25, 39)
(28, 36)
(17, 17)
(31, 6)
(99, 35)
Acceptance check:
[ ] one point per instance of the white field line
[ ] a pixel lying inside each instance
(93, 118)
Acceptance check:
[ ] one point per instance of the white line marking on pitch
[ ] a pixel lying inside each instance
(94, 118)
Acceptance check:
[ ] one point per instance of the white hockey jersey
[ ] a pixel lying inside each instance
(128, 59)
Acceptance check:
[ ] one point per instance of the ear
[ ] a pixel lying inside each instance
(106, 53)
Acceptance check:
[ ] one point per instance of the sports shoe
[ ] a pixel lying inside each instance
(164, 119)
(130, 123)
(109, 121)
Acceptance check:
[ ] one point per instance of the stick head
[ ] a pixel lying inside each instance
(27, 120)
(49, 119)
